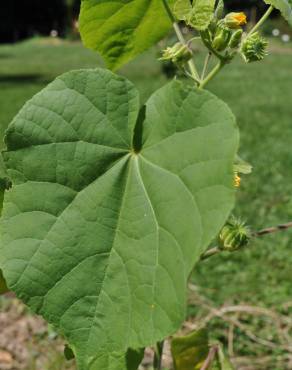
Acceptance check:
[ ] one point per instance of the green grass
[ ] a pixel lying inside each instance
(260, 95)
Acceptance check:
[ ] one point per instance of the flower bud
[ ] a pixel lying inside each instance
(235, 20)
(222, 38)
(235, 39)
(254, 48)
(179, 54)
(234, 235)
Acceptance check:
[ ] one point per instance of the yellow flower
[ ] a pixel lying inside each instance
(235, 20)
(237, 180)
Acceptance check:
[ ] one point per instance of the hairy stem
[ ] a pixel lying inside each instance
(212, 74)
(209, 46)
(262, 20)
(257, 234)
(207, 60)
(209, 253)
(157, 362)
(180, 36)
(274, 229)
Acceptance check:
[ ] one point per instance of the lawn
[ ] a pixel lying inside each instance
(260, 95)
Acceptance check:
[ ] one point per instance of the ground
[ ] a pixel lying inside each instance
(260, 95)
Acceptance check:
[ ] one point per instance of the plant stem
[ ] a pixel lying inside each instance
(212, 74)
(195, 38)
(207, 60)
(181, 39)
(257, 234)
(210, 48)
(274, 229)
(209, 253)
(262, 20)
(191, 63)
(157, 363)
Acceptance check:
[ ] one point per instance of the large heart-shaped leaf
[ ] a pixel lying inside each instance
(122, 29)
(285, 7)
(99, 235)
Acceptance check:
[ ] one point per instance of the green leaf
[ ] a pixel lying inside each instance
(122, 29)
(182, 9)
(285, 7)
(219, 11)
(98, 236)
(198, 15)
(202, 14)
(190, 352)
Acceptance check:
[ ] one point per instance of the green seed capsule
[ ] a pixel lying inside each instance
(234, 235)
(254, 48)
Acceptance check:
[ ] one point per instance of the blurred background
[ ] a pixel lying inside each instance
(245, 297)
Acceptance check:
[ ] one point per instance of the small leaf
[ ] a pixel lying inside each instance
(122, 29)
(190, 352)
(98, 234)
(202, 14)
(285, 7)
(219, 11)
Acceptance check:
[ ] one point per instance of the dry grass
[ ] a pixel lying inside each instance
(28, 343)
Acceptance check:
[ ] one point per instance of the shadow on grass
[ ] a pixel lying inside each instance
(23, 79)
(5, 56)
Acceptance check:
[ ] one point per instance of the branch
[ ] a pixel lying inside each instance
(257, 234)
(262, 20)
(191, 64)
(212, 74)
(157, 362)
(271, 230)
(210, 358)
(279, 320)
